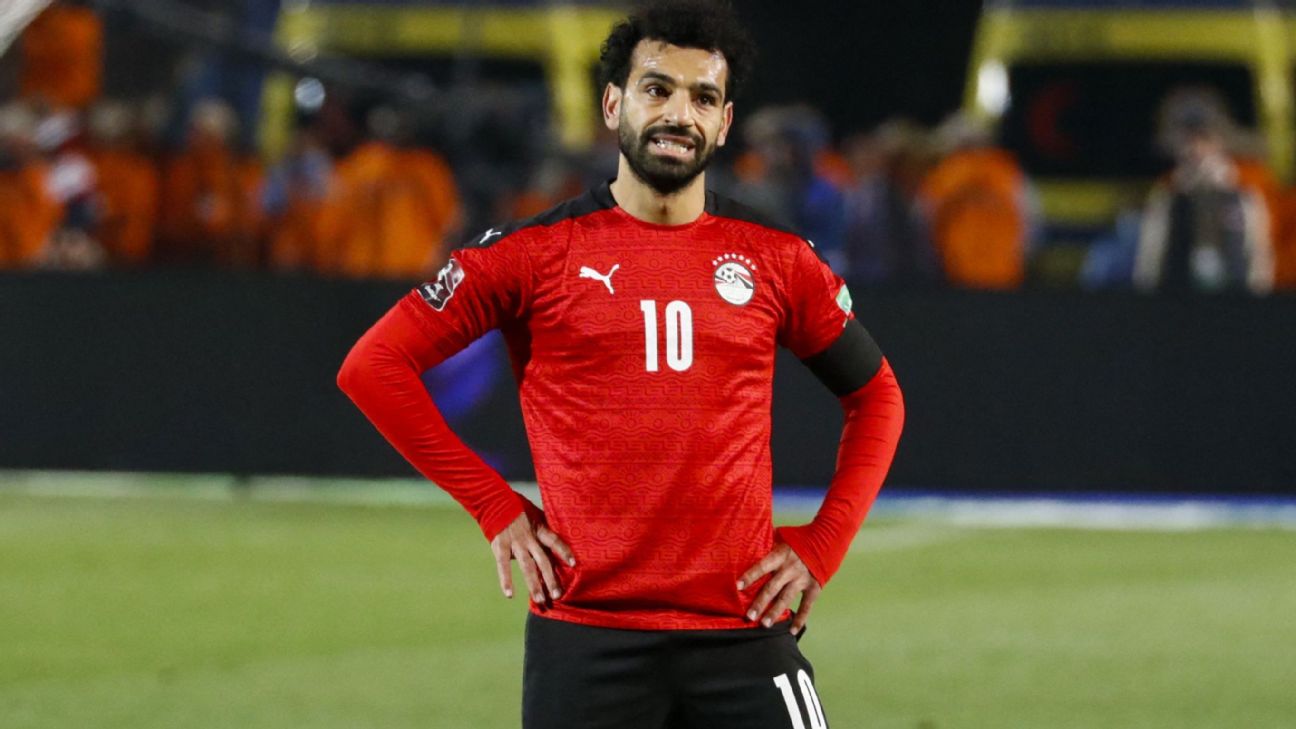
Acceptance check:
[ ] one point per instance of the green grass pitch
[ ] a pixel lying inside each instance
(178, 612)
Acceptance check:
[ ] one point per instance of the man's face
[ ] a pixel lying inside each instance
(672, 114)
(1200, 147)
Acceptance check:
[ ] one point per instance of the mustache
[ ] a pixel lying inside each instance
(673, 131)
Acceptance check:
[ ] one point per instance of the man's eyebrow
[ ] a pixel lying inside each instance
(707, 86)
(659, 76)
(656, 76)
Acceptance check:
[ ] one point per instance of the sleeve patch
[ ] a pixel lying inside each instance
(844, 301)
(439, 292)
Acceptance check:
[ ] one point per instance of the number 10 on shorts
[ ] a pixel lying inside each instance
(808, 695)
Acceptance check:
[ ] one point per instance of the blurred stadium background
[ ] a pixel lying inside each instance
(1070, 224)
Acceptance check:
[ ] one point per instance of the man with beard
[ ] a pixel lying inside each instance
(642, 319)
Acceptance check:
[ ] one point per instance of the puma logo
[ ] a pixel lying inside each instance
(587, 272)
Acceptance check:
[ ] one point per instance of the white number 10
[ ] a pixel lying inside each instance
(679, 335)
(813, 709)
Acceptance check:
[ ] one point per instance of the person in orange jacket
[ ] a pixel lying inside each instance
(209, 213)
(61, 56)
(976, 198)
(390, 209)
(292, 199)
(1284, 242)
(127, 186)
(29, 211)
(1254, 174)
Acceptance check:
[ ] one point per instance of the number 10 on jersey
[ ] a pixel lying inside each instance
(679, 335)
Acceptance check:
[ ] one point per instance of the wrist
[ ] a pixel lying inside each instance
(800, 539)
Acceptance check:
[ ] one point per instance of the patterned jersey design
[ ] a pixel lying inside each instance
(658, 476)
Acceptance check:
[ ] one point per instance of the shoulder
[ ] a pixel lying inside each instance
(727, 208)
(770, 231)
(539, 226)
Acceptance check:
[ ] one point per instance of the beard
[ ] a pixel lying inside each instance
(663, 174)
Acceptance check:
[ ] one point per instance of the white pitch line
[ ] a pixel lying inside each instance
(224, 487)
(958, 511)
(1183, 515)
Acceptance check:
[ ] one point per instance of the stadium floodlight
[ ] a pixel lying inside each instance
(14, 16)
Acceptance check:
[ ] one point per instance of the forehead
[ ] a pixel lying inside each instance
(685, 65)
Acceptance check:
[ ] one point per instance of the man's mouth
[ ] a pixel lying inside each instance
(672, 144)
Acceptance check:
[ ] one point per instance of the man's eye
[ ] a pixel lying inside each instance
(656, 91)
(707, 100)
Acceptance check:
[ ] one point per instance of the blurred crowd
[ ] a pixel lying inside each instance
(946, 206)
(88, 182)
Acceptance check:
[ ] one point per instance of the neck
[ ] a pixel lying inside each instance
(636, 197)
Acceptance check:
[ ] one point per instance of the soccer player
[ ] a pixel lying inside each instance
(642, 320)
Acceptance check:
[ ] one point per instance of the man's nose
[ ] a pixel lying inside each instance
(679, 109)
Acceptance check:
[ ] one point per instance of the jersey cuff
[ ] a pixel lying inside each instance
(794, 537)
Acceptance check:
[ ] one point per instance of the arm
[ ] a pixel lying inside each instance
(874, 417)
(820, 328)
(806, 557)
(381, 375)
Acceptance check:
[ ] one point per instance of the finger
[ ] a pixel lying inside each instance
(780, 603)
(535, 585)
(767, 594)
(803, 610)
(504, 570)
(767, 564)
(550, 539)
(546, 571)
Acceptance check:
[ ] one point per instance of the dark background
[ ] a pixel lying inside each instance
(862, 62)
(1042, 391)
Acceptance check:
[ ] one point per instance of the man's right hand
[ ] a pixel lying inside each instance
(532, 546)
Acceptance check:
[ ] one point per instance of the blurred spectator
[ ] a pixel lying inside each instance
(1255, 175)
(784, 178)
(62, 56)
(1284, 242)
(1109, 261)
(1202, 228)
(293, 198)
(887, 239)
(127, 184)
(70, 181)
(209, 213)
(391, 209)
(978, 201)
(29, 212)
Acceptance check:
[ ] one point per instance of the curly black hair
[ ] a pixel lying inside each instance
(708, 24)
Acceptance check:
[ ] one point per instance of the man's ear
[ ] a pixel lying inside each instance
(612, 96)
(724, 127)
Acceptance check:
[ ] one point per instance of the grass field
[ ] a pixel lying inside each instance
(160, 611)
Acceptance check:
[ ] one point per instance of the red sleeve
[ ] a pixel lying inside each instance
(874, 418)
(817, 306)
(479, 289)
(475, 292)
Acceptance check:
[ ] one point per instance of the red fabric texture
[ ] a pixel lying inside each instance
(874, 418)
(655, 470)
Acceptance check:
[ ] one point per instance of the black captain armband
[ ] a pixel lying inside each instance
(848, 363)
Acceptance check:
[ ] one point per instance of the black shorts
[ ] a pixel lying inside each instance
(583, 677)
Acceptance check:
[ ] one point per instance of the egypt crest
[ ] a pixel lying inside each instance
(735, 278)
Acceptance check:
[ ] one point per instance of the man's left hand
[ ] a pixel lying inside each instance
(789, 578)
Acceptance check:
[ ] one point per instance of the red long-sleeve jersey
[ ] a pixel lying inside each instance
(644, 356)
